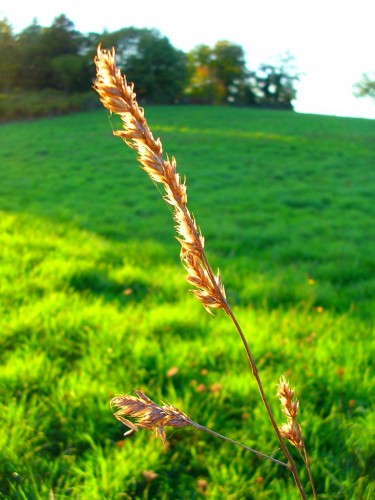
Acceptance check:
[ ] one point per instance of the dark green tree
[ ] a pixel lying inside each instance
(365, 87)
(230, 69)
(71, 73)
(34, 62)
(125, 41)
(148, 59)
(274, 84)
(51, 57)
(61, 38)
(9, 57)
(158, 68)
(218, 74)
(68, 67)
(203, 86)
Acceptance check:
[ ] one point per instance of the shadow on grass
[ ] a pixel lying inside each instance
(98, 283)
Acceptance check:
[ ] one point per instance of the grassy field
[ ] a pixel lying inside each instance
(93, 303)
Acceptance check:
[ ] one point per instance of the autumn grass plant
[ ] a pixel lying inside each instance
(93, 304)
(118, 97)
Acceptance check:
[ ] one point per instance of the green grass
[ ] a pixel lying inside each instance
(93, 303)
(25, 105)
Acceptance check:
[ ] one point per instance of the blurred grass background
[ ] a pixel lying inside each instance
(93, 303)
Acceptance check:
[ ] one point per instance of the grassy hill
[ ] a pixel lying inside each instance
(93, 303)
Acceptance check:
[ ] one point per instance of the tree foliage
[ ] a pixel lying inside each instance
(158, 68)
(58, 57)
(9, 56)
(217, 74)
(273, 84)
(366, 86)
(47, 58)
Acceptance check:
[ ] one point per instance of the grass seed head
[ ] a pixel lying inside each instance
(286, 395)
(293, 433)
(118, 97)
(147, 414)
(291, 430)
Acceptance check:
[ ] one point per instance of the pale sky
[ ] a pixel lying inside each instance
(333, 41)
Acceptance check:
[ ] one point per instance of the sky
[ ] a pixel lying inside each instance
(332, 41)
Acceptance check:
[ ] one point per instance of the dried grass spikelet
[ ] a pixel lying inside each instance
(291, 430)
(148, 414)
(286, 395)
(118, 97)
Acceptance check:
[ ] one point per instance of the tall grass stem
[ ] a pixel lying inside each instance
(118, 96)
(291, 465)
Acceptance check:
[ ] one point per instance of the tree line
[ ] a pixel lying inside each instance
(61, 58)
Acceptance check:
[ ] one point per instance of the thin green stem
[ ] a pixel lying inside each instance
(307, 463)
(237, 443)
(292, 465)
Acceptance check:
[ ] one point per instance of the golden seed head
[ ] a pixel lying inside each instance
(291, 430)
(118, 96)
(293, 433)
(286, 395)
(147, 414)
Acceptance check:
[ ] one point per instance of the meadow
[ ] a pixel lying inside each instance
(93, 303)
